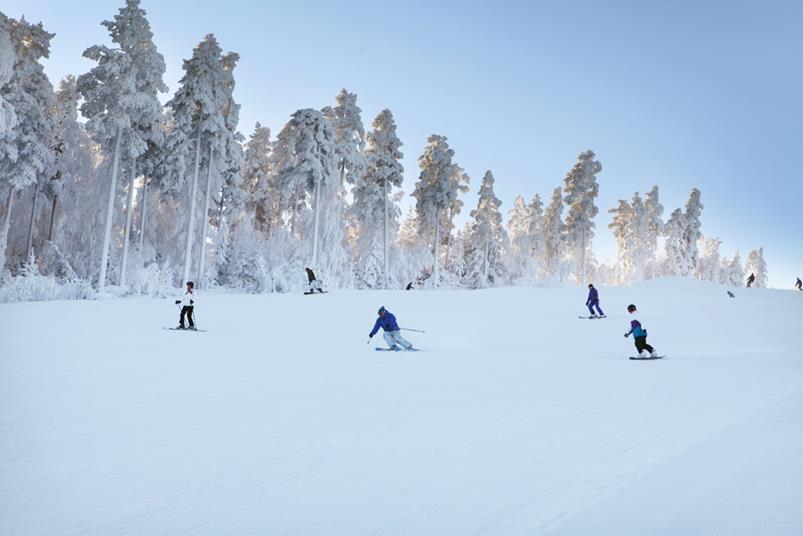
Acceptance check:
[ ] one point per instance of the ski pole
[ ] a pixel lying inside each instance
(416, 330)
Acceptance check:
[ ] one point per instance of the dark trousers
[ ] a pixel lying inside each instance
(186, 311)
(641, 344)
(591, 308)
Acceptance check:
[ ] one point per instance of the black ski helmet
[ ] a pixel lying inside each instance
(631, 308)
(190, 284)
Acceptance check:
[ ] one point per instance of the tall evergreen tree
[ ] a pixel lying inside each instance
(654, 213)
(757, 265)
(7, 59)
(518, 230)
(487, 237)
(349, 136)
(26, 149)
(709, 265)
(554, 231)
(691, 232)
(581, 188)
(262, 198)
(536, 222)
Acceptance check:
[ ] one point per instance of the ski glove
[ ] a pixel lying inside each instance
(192, 302)
(178, 301)
(626, 335)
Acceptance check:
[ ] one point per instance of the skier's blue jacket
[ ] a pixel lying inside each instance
(387, 322)
(593, 296)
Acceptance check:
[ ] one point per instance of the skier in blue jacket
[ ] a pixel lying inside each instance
(593, 301)
(392, 332)
(639, 333)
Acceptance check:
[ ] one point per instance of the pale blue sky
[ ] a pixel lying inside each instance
(679, 94)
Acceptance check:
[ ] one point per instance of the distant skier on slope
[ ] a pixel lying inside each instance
(639, 333)
(187, 302)
(593, 301)
(750, 280)
(392, 332)
(799, 284)
(314, 284)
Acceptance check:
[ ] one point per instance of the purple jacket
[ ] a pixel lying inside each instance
(593, 296)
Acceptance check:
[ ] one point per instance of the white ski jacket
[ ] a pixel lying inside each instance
(187, 299)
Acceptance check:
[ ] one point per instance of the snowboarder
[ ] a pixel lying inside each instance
(750, 280)
(639, 333)
(410, 285)
(593, 301)
(392, 332)
(187, 302)
(731, 294)
(314, 284)
(799, 284)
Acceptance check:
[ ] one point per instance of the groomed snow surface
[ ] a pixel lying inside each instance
(517, 418)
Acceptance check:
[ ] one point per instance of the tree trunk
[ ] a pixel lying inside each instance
(129, 211)
(107, 236)
(193, 195)
(485, 263)
(4, 231)
(387, 261)
(52, 219)
(29, 245)
(205, 224)
(436, 270)
(143, 213)
(582, 266)
(315, 226)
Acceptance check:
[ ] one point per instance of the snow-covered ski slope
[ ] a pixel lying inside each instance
(516, 418)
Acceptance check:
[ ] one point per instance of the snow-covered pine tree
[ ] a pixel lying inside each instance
(581, 188)
(375, 212)
(691, 232)
(757, 265)
(674, 244)
(639, 230)
(554, 243)
(735, 271)
(26, 150)
(349, 136)
(655, 224)
(7, 59)
(536, 222)
(263, 197)
(521, 248)
(487, 238)
(708, 267)
(436, 194)
(620, 227)
(131, 31)
(198, 128)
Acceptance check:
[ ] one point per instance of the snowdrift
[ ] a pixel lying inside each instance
(516, 418)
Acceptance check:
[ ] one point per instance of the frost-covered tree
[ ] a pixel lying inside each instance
(263, 199)
(709, 265)
(518, 230)
(655, 225)
(581, 188)
(553, 232)
(436, 193)
(756, 265)
(199, 130)
(307, 167)
(7, 59)
(630, 226)
(25, 150)
(375, 211)
(536, 222)
(620, 227)
(734, 273)
(674, 245)
(486, 237)
(691, 232)
(349, 136)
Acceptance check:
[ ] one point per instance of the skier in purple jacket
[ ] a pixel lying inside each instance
(392, 331)
(593, 301)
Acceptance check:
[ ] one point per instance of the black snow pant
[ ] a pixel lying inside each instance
(641, 344)
(186, 311)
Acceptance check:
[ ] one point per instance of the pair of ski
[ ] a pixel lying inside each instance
(383, 349)
(186, 329)
(595, 317)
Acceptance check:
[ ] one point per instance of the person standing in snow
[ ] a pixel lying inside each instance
(593, 301)
(799, 284)
(314, 284)
(187, 302)
(750, 280)
(392, 332)
(639, 333)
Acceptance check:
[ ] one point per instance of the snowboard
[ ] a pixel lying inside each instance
(634, 358)
(318, 292)
(592, 317)
(179, 329)
(383, 349)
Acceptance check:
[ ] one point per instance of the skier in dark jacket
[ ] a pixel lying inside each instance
(799, 284)
(314, 284)
(392, 332)
(751, 280)
(593, 301)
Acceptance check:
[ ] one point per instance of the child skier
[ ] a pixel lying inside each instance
(187, 302)
(639, 333)
(593, 301)
(314, 284)
(392, 332)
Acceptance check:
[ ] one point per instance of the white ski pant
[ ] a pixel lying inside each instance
(394, 338)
